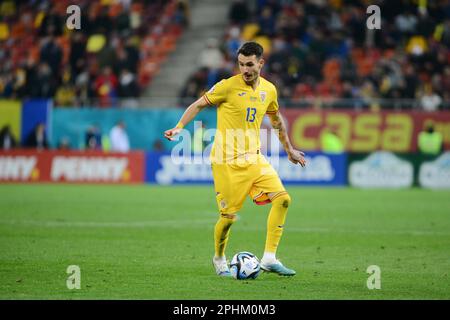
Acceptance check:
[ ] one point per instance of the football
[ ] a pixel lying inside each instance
(245, 265)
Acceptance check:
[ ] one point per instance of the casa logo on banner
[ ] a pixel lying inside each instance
(74, 169)
(381, 170)
(436, 174)
(18, 168)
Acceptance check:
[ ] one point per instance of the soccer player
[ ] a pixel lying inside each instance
(239, 169)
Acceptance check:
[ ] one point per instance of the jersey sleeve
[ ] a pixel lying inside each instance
(217, 94)
(273, 105)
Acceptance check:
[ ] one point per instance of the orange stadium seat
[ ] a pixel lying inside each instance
(331, 70)
(115, 9)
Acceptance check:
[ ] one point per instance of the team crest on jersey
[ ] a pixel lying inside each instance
(262, 94)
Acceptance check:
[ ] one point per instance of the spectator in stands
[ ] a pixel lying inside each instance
(51, 54)
(119, 138)
(128, 89)
(369, 96)
(430, 100)
(20, 85)
(103, 22)
(132, 54)
(446, 83)
(30, 76)
(7, 140)
(123, 21)
(233, 43)
(182, 14)
(122, 61)
(211, 57)
(107, 55)
(278, 60)
(239, 12)
(406, 23)
(77, 51)
(195, 85)
(128, 86)
(65, 95)
(37, 138)
(190, 92)
(43, 85)
(52, 23)
(106, 87)
(410, 82)
(445, 27)
(266, 22)
(6, 85)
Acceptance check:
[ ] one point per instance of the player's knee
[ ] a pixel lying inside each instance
(284, 200)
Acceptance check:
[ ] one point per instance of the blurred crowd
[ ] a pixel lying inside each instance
(323, 49)
(112, 55)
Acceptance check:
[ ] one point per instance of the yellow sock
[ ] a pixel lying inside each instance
(275, 221)
(221, 233)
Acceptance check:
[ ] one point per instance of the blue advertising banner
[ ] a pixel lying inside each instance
(321, 169)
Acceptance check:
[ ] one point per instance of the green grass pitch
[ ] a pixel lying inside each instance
(151, 242)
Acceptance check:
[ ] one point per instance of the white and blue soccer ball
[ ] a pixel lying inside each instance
(245, 265)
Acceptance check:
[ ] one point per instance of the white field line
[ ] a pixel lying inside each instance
(208, 222)
(109, 224)
(359, 231)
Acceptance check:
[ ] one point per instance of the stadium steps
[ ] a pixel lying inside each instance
(209, 18)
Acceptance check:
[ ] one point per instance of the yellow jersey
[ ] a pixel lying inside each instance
(240, 112)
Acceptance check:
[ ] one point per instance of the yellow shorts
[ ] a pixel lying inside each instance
(233, 182)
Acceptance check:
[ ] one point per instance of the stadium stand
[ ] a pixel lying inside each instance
(114, 56)
(208, 19)
(321, 53)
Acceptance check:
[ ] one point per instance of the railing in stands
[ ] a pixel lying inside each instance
(316, 102)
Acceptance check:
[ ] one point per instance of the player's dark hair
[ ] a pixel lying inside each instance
(251, 48)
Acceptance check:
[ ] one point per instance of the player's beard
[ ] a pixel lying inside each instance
(251, 79)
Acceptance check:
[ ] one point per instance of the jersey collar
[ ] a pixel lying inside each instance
(246, 85)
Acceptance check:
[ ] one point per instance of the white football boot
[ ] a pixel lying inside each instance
(221, 267)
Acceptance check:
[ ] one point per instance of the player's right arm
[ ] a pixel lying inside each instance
(215, 96)
(190, 113)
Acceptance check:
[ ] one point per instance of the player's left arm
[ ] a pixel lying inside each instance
(295, 156)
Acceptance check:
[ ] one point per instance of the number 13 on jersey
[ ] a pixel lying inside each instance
(251, 112)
